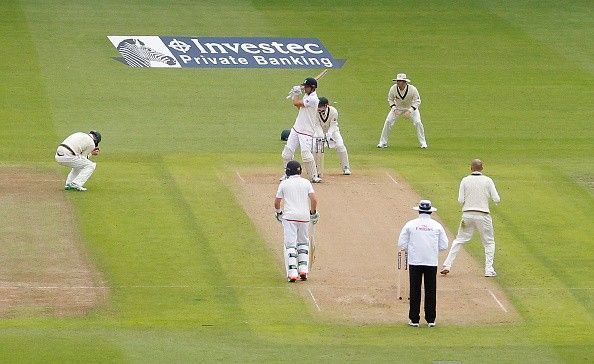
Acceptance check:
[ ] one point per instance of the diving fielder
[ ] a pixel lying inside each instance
(304, 130)
(328, 120)
(298, 210)
(404, 100)
(74, 152)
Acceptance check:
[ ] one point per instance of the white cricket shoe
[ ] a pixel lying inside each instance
(316, 180)
(430, 324)
(382, 145)
(424, 146)
(74, 186)
(491, 273)
(346, 171)
(413, 324)
(445, 270)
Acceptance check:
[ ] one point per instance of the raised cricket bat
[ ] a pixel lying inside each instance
(317, 77)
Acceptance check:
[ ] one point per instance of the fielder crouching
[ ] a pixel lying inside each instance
(298, 210)
(74, 152)
(328, 120)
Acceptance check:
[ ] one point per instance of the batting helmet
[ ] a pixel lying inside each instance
(323, 102)
(96, 136)
(293, 167)
(285, 134)
(310, 81)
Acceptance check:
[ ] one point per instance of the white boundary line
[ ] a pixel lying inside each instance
(239, 175)
(392, 178)
(496, 300)
(314, 299)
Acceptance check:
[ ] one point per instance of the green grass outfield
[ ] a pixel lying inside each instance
(190, 278)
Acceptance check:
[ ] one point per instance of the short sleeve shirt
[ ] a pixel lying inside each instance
(295, 192)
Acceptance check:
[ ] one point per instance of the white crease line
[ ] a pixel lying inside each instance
(314, 299)
(496, 300)
(239, 175)
(392, 178)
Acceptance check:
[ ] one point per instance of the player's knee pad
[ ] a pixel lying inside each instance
(287, 153)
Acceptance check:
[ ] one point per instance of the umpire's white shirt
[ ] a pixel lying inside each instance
(82, 144)
(295, 192)
(307, 118)
(423, 238)
(475, 191)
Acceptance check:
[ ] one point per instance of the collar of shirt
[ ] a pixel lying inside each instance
(476, 173)
(424, 216)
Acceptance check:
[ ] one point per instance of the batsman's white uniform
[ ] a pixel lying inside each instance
(74, 153)
(295, 192)
(406, 104)
(328, 120)
(474, 193)
(302, 135)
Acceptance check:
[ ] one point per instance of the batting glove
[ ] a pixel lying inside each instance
(279, 216)
(314, 217)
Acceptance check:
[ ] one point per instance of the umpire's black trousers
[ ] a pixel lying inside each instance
(417, 274)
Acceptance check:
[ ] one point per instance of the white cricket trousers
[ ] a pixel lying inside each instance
(296, 234)
(338, 144)
(471, 221)
(82, 168)
(391, 120)
(306, 144)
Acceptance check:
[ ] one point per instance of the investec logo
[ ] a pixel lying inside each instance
(230, 52)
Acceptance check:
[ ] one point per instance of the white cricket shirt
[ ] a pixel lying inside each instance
(295, 192)
(80, 143)
(307, 116)
(423, 237)
(475, 191)
(406, 99)
(329, 120)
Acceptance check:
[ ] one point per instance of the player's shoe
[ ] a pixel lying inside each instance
(382, 145)
(413, 324)
(346, 171)
(491, 273)
(68, 187)
(292, 278)
(430, 324)
(303, 276)
(423, 146)
(74, 186)
(316, 180)
(445, 270)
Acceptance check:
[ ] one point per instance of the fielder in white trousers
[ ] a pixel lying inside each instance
(474, 221)
(82, 168)
(475, 191)
(414, 116)
(74, 152)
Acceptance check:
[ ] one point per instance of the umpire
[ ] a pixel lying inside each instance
(423, 238)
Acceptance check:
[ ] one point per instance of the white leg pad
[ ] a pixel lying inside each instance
(303, 258)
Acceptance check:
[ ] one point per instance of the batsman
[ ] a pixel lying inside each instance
(305, 127)
(299, 202)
